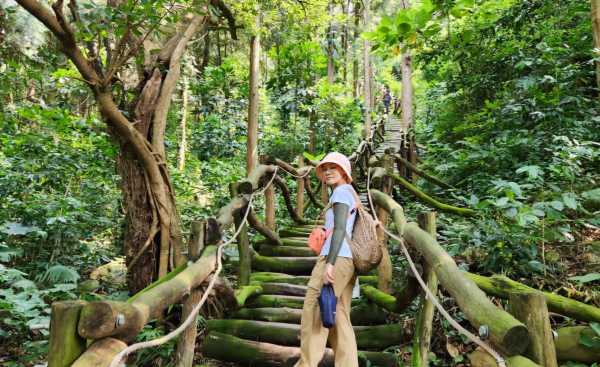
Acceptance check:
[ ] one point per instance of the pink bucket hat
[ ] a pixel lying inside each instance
(339, 159)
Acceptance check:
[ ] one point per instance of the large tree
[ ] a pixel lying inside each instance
(155, 35)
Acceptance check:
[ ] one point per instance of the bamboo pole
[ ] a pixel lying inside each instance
(426, 310)
(244, 268)
(187, 339)
(66, 345)
(530, 309)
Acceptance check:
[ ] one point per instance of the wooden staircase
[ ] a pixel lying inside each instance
(266, 332)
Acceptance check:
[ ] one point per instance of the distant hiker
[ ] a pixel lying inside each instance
(387, 98)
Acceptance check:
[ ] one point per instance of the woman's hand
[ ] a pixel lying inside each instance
(328, 275)
(377, 223)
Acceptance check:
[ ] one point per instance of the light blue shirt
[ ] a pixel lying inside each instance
(341, 194)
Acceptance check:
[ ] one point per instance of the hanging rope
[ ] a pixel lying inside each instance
(192, 317)
(481, 343)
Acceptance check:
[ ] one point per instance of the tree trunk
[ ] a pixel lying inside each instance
(183, 142)
(330, 68)
(367, 68)
(596, 34)
(407, 92)
(313, 133)
(252, 142)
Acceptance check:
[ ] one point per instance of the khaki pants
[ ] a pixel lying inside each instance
(341, 336)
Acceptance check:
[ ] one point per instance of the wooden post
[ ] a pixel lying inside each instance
(300, 193)
(187, 339)
(243, 276)
(65, 343)
(531, 310)
(422, 340)
(324, 193)
(385, 267)
(413, 154)
(353, 172)
(269, 197)
(403, 153)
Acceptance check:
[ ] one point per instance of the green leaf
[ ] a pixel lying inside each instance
(309, 156)
(586, 278)
(6, 252)
(403, 28)
(369, 35)
(13, 64)
(386, 20)
(570, 202)
(467, 36)
(34, 75)
(155, 51)
(595, 326)
(13, 228)
(501, 202)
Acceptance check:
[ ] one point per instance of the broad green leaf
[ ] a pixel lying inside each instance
(369, 35)
(502, 201)
(155, 51)
(14, 228)
(586, 278)
(13, 64)
(387, 20)
(403, 28)
(570, 202)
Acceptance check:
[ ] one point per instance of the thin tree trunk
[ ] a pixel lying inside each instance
(596, 34)
(313, 133)
(355, 69)
(330, 68)
(219, 46)
(206, 52)
(183, 142)
(252, 141)
(367, 68)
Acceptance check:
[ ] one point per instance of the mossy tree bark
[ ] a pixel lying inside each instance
(568, 347)
(402, 301)
(244, 267)
(506, 333)
(66, 345)
(100, 353)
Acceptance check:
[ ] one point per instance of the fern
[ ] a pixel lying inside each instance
(58, 274)
(23, 284)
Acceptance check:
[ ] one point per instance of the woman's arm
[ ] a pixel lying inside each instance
(340, 217)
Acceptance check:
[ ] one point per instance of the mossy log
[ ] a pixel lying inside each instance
(422, 173)
(286, 334)
(276, 300)
(243, 293)
(362, 315)
(506, 333)
(250, 353)
(392, 207)
(254, 178)
(283, 233)
(402, 301)
(282, 288)
(481, 358)
(226, 214)
(295, 243)
(433, 203)
(271, 237)
(66, 345)
(375, 161)
(290, 265)
(98, 319)
(303, 229)
(312, 197)
(288, 203)
(568, 347)
(162, 280)
(279, 278)
(286, 251)
(499, 286)
(377, 175)
(100, 353)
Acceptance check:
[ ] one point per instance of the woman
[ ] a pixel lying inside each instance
(335, 266)
(387, 98)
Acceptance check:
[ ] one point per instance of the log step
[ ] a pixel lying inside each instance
(283, 233)
(295, 241)
(294, 251)
(283, 301)
(367, 337)
(279, 278)
(303, 230)
(282, 288)
(289, 265)
(248, 353)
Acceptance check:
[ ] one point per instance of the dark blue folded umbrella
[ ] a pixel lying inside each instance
(327, 304)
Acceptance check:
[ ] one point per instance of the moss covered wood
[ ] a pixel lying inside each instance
(433, 203)
(402, 300)
(290, 265)
(283, 233)
(226, 214)
(162, 280)
(187, 338)
(288, 202)
(243, 293)
(371, 280)
(500, 286)
(506, 333)
(422, 173)
(481, 358)
(255, 178)
(276, 300)
(100, 353)
(377, 175)
(98, 319)
(251, 353)
(426, 309)
(367, 337)
(269, 196)
(384, 269)
(66, 345)
(282, 288)
(531, 310)
(286, 251)
(568, 347)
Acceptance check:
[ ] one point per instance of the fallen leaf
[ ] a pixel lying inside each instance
(451, 350)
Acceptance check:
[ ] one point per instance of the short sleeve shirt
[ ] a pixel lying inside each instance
(341, 194)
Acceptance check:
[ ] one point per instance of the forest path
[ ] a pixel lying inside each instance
(266, 332)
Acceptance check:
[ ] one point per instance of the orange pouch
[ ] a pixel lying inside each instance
(317, 239)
